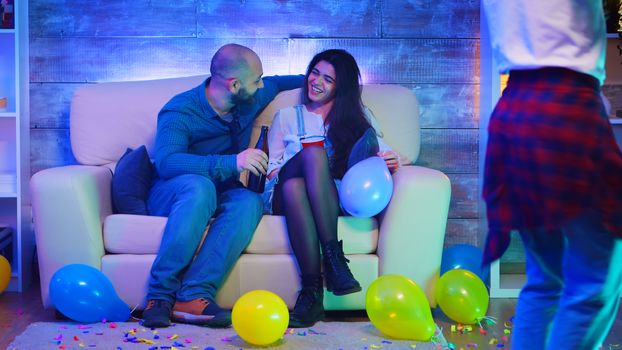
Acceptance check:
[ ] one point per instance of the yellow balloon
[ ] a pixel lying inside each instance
(5, 273)
(260, 317)
(462, 296)
(398, 307)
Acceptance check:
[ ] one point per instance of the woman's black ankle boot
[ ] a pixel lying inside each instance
(309, 306)
(339, 279)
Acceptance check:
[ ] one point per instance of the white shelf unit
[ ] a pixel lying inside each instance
(505, 285)
(15, 209)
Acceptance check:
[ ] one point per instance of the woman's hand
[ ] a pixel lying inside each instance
(392, 159)
(273, 173)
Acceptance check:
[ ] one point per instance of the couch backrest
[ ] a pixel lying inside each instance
(107, 118)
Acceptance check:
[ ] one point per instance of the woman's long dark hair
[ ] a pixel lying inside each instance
(346, 119)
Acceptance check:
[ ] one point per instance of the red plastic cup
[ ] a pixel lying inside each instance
(312, 141)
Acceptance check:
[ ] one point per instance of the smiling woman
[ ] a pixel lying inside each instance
(321, 83)
(302, 174)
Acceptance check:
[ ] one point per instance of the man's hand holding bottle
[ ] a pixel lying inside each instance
(253, 160)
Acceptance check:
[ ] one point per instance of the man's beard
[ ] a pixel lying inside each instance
(243, 97)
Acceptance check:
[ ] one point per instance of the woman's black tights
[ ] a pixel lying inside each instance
(306, 194)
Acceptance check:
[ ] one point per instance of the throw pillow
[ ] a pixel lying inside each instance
(131, 182)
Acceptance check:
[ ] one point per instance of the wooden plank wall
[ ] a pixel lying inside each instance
(430, 46)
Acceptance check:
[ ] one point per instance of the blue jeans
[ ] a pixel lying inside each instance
(574, 282)
(190, 201)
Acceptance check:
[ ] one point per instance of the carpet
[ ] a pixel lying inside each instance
(130, 335)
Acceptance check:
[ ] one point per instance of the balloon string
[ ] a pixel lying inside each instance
(435, 339)
(490, 319)
(132, 313)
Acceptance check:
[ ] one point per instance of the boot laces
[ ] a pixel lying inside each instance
(305, 300)
(156, 303)
(338, 262)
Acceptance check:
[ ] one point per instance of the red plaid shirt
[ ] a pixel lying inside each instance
(551, 155)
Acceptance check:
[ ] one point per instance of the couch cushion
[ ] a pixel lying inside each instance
(394, 107)
(133, 234)
(129, 273)
(131, 182)
(138, 234)
(109, 117)
(279, 273)
(360, 235)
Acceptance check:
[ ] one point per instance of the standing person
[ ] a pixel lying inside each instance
(553, 170)
(201, 143)
(302, 178)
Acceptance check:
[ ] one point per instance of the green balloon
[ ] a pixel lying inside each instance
(462, 296)
(398, 307)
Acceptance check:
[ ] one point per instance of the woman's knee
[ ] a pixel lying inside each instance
(293, 185)
(285, 192)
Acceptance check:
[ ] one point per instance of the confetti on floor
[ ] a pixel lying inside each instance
(489, 334)
(130, 336)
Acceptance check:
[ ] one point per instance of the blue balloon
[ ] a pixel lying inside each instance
(85, 294)
(466, 257)
(366, 188)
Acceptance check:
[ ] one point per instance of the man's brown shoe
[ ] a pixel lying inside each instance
(201, 311)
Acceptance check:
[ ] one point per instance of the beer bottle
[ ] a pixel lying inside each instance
(257, 183)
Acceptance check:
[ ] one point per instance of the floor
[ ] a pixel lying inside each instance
(18, 310)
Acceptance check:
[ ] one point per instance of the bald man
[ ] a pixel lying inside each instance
(201, 148)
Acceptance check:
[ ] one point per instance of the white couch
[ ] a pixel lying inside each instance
(74, 222)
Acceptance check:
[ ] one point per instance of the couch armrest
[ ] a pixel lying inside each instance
(412, 227)
(69, 205)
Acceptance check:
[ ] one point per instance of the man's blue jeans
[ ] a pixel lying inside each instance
(190, 201)
(574, 281)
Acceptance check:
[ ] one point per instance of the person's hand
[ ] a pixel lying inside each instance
(391, 158)
(272, 174)
(253, 160)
